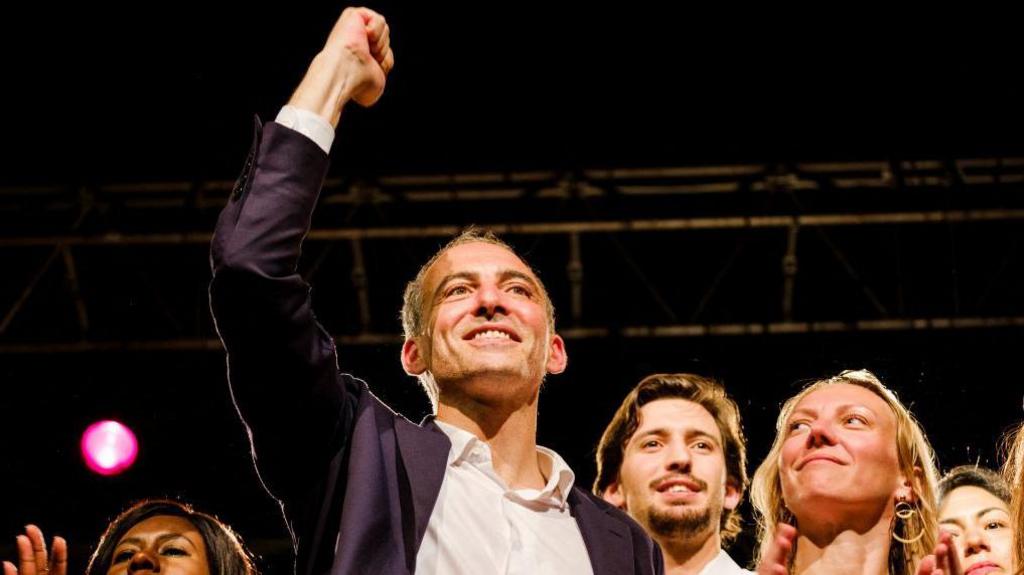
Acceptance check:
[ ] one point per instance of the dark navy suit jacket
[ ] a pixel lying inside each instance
(356, 481)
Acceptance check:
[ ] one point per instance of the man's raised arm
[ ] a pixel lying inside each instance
(282, 364)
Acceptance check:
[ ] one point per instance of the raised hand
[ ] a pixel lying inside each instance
(775, 558)
(943, 560)
(353, 65)
(32, 555)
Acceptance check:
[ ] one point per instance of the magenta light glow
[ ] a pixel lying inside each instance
(109, 447)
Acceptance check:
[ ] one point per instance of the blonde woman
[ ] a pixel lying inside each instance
(849, 486)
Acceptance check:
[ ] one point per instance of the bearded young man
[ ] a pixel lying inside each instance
(674, 458)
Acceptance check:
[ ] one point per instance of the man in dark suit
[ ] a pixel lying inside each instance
(364, 490)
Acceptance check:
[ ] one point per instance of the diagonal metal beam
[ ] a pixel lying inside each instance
(58, 248)
(27, 292)
(650, 286)
(71, 277)
(717, 280)
(852, 272)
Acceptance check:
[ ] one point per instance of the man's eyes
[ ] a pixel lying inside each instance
(462, 289)
(456, 290)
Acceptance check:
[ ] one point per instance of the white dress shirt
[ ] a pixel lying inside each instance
(481, 526)
(723, 565)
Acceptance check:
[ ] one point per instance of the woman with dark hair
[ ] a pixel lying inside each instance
(171, 536)
(154, 535)
(974, 506)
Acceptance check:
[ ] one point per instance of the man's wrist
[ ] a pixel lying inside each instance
(325, 89)
(309, 124)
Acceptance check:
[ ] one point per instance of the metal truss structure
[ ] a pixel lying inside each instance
(720, 250)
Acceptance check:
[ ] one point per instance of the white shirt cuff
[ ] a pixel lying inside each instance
(308, 124)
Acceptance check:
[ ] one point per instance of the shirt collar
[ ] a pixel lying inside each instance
(560, 476)
(462, 441)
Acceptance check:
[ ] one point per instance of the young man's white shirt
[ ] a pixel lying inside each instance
(723, 564)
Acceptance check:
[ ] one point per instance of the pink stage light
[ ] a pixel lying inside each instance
(109, 447)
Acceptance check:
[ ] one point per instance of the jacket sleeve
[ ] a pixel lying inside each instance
(282, 364)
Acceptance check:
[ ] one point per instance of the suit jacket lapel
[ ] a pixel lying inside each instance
(607, 540)
(424, 452)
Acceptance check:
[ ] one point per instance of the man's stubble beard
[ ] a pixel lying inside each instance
(672, 525)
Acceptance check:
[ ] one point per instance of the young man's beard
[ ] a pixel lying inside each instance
(672, 524)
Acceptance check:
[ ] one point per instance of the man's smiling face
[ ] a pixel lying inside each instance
(488, 333)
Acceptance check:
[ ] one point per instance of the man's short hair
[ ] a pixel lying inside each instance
(974, 476)
(703, 391)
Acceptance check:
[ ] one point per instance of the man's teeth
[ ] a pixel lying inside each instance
(678, 489)
(491, 334)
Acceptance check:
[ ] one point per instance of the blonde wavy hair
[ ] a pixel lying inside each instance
(1013, 472)
(916, 460)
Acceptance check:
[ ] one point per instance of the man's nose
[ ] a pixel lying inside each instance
(490, 302)
(678, 456)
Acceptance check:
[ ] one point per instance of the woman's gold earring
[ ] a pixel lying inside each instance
(906, 512)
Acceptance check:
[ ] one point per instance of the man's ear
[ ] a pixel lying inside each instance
(557, 357)
(732, 495)
(412, 358)
(613, 494)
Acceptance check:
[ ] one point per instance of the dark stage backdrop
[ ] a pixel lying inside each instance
(103, 95)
